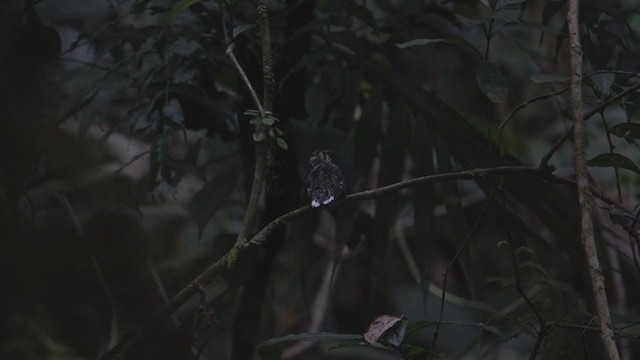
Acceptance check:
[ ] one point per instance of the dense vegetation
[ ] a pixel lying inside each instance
(145, 143)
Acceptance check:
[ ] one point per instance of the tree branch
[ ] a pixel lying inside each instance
(586, 116)
(220, 265)
(244, 77)
(261, 148)
(582, 179)
(123, 350)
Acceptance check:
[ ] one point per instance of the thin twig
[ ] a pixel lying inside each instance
(586, 116)
(436, 333)
(240, 247)
(618, 331)
(542, 332)
(132, 160)
(556, 146)
(527, 103)
(520, 107)
(245, 79)
(268, 76)
(611, 149)
(582, 178)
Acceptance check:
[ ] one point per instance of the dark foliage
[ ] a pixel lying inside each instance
(127, 155)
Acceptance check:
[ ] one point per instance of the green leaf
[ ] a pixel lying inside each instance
(268, 121)
(415, 352)
(547, 78)
(628, 131)
(184, 48)
(259, 136)
(272, 348)
(456, 41)
(252, 112)
(419, 325)
(283, 144)
(181, 6)
(173, 111)
(503, 3)
(614, 160)
(323, 336)
(492, 82)
(357, 11)
(469, 21)
(506, 15)
(603, 82)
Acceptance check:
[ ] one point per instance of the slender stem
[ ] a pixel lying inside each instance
(582, 178)
(240, 247)
(520, 107)
(205, 277)
(542, 331)
(453, 261)
(527, 103)
(586, 116)
(245, 79)
(268, 76)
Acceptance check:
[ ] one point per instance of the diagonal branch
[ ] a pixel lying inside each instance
(223, 263)
(586, 116)
(226, 261)
(582, 179)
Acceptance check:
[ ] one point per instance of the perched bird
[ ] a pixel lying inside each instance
(325, 182)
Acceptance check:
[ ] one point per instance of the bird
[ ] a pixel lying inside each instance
(325, 182)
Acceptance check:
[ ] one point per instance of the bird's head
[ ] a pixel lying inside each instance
(319, 156)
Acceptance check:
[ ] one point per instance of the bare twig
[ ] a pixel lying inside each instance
(240, 247)
(584, 328)
(520, 107)
(586, 116)
(556, 146)
(245, 79)
(611, 149)
(542, 331)
(436, 333)
(584, 191)
(527, 103)
(268, 76)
